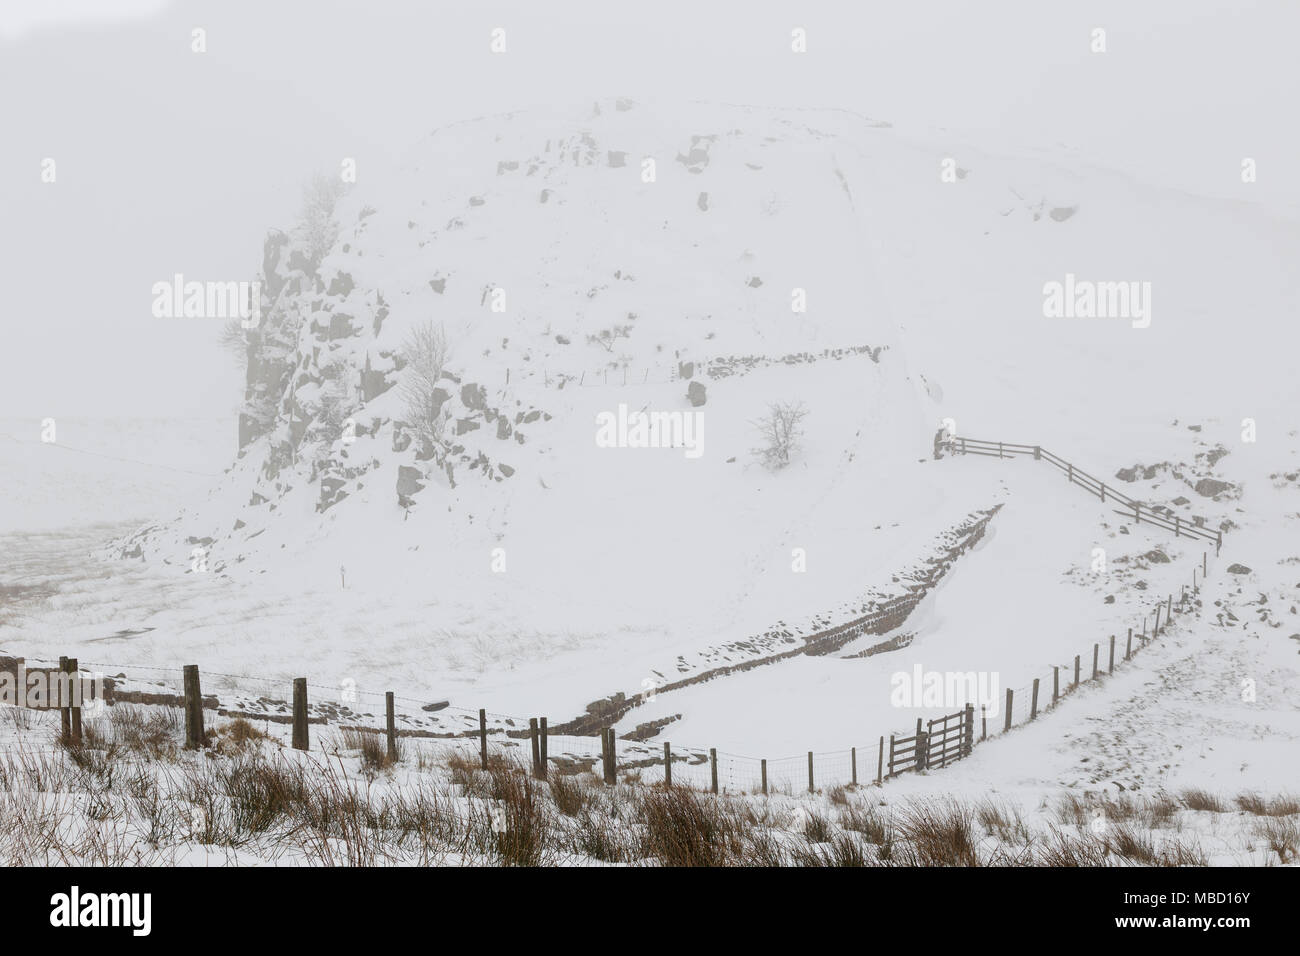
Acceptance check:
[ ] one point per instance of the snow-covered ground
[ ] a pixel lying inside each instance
(551, 572)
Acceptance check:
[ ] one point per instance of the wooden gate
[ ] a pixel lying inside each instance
(936, 743)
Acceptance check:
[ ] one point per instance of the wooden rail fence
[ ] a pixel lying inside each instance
(1196, 528)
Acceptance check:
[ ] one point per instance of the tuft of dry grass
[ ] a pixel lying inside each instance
(373, 748)
(569, 794)
(685, 828)
(842, 850)
(865, 819)
(1203, 800)
(1282, 834)
(937, 833)
(1283, 805)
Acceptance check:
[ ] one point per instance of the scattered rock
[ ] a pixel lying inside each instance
(1210, 487)
(696, 394)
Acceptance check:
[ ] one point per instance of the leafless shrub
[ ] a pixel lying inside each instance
(608, 338)
(781, 432)
(425, 353)
(317, 228)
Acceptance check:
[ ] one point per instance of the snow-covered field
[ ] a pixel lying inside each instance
(510, 562)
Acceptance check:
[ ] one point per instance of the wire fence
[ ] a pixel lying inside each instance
(528, 741)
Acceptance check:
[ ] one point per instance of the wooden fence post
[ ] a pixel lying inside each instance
(880, 765)
(1069, 472)
(1218, 542)
(1155, 626)
(1204, 564)
(1178, 527)
(65, 715)
(668, 764)
(1033, 704)
(193, 708)
(1076, 672)
(1056, 684)
(921, 756)
(968, 732)
(1128, 648)
(74, 699)
(713, 761)
(300, 741)
(392, 726)
(1111, 667)
(542, 737)
(611, 757)
(1007, 723)
(984, 722)
(482, 736)
(763, 769)
(811, 788)
(1169, 608)
(1137, 513)
(1103, 493)
(532, 740)
(853, 758)
(1096, 650)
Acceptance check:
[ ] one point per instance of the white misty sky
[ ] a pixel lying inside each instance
(170, 161)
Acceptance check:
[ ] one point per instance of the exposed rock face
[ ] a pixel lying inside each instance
(1238, 569)
(697, 394)
(409, 484)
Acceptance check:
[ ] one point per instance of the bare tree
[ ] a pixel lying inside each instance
(232, 340)
(317, 227)
(425, 354)
(782, 431)
(608, 338)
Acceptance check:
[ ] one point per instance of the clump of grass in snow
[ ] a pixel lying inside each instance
(1282, 805)
(1197, 799)
(373, 747)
